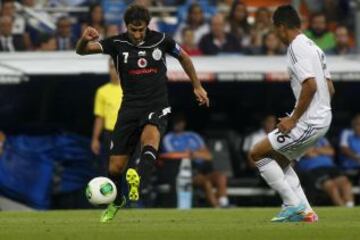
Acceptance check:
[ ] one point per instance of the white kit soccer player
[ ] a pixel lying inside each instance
(309, 120)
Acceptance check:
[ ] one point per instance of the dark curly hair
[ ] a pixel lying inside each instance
(135, 14)
(286, 15)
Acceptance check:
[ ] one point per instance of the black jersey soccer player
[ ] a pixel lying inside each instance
(139, 56)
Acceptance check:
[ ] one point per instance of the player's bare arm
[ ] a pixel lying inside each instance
(306, 95)
(330, 87)
(199, 91)
(88, 44)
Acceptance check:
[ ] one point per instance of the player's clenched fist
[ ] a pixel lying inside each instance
(201, 96)
(90, 34)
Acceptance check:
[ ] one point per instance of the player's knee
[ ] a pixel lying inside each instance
(255, 154)
(150, 136)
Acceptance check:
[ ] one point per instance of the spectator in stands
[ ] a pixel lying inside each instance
(8, 8)
(319, 32)
(334, 10)
(239, 24)
(196, 22)
(218, 41)
(267, 125)
(271, 46)
(192, 146)
(262, 26)
(46, 42)
(107, 103)
(169, 2)
(96, 19)
(350, 146)
(33, 22)
(343, 45)
(319, 168)
(10, 42)
(188, 43)
(64, 38)
(38, 5)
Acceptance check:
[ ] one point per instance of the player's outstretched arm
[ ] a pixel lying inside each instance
(306, 95)
(199, 91)
(87, 43)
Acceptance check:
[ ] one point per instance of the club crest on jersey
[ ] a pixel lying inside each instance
(142, 62)
(142, 53)
(157, 54)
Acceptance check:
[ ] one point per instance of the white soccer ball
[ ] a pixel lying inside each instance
(101, 190)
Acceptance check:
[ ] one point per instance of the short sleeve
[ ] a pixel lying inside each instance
(301, 60)
(98, 105)
(167, 143)
(107, 45)
(199, 139)
(172, 47)
(326, 69)
(344, 138)
(323, 142)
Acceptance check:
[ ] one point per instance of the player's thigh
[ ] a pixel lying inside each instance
(154, 125)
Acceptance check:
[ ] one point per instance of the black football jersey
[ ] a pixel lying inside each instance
(142, 68)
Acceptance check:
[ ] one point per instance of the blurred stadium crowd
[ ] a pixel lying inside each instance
(204, 27)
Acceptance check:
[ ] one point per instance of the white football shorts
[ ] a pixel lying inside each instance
(295, 144)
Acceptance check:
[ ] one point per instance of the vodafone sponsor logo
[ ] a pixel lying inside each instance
(143, 71)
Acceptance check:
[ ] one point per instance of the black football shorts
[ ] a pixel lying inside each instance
(129, 126)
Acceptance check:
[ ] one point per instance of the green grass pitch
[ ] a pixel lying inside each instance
(233, 224)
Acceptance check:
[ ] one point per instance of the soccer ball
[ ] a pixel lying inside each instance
(101, 190)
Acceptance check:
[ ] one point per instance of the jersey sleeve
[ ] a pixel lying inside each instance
(107, 45)
(99, 105)
(167, 143)
(326, 69)
(301, 59)
(344, 138)
(172, 47)
(200, 141)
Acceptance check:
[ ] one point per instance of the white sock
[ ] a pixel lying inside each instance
(223, 201)
(274, 176)
(293, 180)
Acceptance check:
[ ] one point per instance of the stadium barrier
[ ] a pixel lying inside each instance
(220, 68)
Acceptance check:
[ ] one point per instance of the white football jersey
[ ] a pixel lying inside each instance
(306, 60)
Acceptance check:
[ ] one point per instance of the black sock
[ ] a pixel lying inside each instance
(145, 166)
(117, 178)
